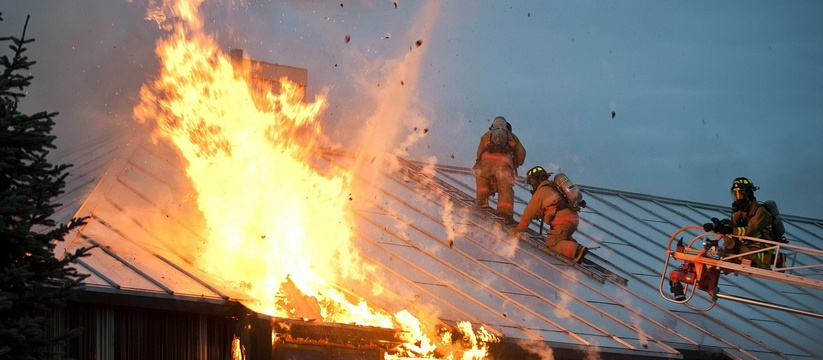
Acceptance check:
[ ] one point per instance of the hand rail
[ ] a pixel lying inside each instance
(710, 257)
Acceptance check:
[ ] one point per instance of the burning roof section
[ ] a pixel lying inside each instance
(432, 254)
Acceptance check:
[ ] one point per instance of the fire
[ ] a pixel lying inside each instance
(270, 215)
(273, 221)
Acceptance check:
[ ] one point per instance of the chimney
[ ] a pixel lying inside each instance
(236, 56)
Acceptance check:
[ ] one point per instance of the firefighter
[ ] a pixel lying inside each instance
(499, 153)
(549, 205)
(748, 219)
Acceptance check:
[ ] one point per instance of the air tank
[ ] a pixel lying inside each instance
(777, 222)
(569, 190)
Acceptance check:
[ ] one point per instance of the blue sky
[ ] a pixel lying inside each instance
(703, 91)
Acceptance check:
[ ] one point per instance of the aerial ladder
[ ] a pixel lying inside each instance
(704, 261)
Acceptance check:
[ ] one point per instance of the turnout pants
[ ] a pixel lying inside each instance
(501, 174)
(559, 239)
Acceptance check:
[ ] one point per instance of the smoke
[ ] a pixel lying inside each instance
(593, 352)
(507, 249)
(454, 229)
(388, 120)
(89, 74)
(394, 123)
(561, 307)
(636, 320)
(540, 349)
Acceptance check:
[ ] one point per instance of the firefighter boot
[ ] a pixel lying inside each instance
(581, 252)
(508, 220)
(483, 203)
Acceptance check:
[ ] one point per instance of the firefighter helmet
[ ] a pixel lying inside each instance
(500, 121)
(743, 189)
(535, 176)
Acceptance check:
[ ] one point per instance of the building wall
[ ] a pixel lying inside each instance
(124, 333)
(116, 332)
(323, 352)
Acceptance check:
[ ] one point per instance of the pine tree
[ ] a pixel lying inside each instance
(33, 281)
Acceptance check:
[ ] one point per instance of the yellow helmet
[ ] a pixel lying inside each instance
(535, 176)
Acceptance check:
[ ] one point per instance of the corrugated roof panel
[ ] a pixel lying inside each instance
(118, 270)
(806, 234)
(633, 256)
(88, 166)
(436, 252)
(484, 282)
(518, 288)
(623, 243)
(125, 210)
(741, 316)
(430, 292)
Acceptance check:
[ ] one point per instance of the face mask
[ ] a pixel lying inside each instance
(740, 204)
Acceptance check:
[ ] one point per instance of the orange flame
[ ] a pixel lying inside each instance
(270, 215)
(272, 219)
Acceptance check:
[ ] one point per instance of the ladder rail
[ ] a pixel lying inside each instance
(772, 246)
(709, 257)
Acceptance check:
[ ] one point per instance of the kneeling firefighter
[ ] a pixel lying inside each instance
(549, 204)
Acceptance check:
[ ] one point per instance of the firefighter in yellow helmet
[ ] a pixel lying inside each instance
(748, 219)
(548, 204)
(499, 153)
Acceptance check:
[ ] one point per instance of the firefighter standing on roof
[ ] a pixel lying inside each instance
(549, 205)
(498, 156)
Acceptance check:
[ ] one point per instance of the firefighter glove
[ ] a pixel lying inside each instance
(721, 226)
(514, 232)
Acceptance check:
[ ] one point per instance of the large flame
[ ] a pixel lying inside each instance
(270, 215)
(272, 219)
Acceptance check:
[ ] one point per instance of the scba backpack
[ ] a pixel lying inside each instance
(499, 140)
(569, 191)
(778, 230)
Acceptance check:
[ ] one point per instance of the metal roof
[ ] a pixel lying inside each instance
(437, 252)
